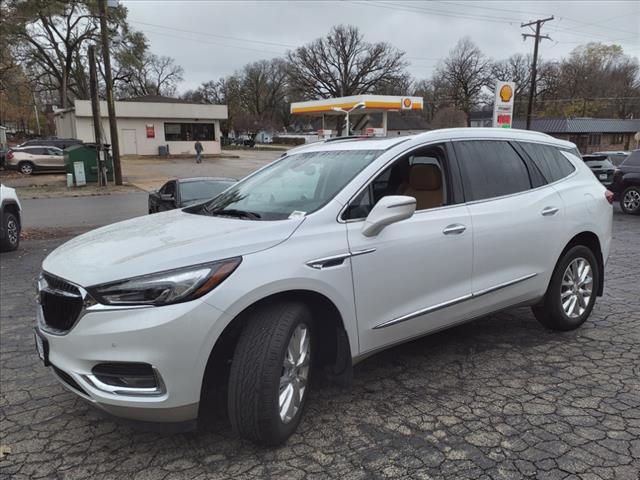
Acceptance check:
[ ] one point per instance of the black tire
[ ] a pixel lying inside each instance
(11, 240)
(256, 368)
(630, 200)
(26, 168)
(550, 311)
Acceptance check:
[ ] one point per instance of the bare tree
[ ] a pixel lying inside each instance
(153, 75)
(464, 73)
(342, 64)
(48, 38)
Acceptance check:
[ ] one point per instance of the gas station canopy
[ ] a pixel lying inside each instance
(370, 104)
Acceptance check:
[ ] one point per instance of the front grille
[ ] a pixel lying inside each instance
(66, 378)
(61, 303)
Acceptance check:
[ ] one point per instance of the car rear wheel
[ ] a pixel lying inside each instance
(270, 373)
(630, 200)
(572, 291)
(11, 239)
(26, 168)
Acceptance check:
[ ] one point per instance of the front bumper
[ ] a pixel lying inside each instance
(175, 340)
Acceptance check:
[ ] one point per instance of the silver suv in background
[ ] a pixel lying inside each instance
(28, 160)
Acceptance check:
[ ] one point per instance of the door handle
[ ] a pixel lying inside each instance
(548, 211)
(454, 229)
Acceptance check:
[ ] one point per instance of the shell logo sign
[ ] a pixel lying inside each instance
(503, 104)
(506, 92)
(406, 103)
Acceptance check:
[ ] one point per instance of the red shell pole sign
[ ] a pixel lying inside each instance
(503, 104)
(151, 131)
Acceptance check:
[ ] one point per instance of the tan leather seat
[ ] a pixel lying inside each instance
(425, 185)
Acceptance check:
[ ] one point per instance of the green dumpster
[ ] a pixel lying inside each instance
(87, 154)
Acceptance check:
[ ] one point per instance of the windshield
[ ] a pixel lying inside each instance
(202, 189)
(297, 184)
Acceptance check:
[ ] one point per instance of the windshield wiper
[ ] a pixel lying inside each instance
(232, 212)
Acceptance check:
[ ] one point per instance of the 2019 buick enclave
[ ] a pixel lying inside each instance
(331, 253)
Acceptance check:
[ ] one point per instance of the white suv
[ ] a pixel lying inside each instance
(337, 250)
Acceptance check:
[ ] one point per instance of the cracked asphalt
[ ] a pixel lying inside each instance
(497, 398)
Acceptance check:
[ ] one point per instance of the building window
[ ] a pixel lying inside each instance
(594, 139)
(186, 132)
(617, 139)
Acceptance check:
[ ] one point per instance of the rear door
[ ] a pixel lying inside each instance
(516, 219)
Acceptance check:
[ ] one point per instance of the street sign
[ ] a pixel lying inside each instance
(503, 105)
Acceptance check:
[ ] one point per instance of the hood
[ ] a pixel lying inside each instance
(160, 242)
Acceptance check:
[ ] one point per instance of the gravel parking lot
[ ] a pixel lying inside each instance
(497, 398)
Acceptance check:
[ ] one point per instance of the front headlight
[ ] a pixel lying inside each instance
(164, 288)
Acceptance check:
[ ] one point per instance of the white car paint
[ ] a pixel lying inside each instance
(409, 280)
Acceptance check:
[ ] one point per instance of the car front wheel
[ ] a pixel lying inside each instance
(11, 239)
(270, 373)
(630, 200)
(572, 291)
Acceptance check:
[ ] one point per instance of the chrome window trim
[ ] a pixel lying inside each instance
(449, 303)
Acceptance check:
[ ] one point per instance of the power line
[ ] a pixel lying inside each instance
(165, 34)
(443, 13)
(206, 34)
(598, 24)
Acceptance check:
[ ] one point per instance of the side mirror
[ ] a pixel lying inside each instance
(167, 197)
(388, 210)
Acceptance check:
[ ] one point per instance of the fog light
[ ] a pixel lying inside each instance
(126, 378)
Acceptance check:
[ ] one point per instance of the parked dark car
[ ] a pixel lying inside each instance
(51, 142)
(616, 157)
(601, 167)
(626, 184)
(187, 191)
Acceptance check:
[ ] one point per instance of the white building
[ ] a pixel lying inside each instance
(146, 123)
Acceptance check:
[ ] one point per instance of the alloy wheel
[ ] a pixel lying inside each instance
(12, 231)
(631, 200)
(576, 288)
(26, 169)
(295, 373)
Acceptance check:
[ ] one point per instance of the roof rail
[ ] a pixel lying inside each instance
(350, 137)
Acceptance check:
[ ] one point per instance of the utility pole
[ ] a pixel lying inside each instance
(113, 127)
(35, 109)
(534, 67)
(95, 110)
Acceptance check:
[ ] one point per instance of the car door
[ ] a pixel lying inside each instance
(40, 157)
(412, 277)
(517, 218)
(55, 158)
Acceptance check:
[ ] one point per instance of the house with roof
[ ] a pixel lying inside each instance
(147, 123)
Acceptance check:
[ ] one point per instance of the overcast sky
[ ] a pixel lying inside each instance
(211, 39)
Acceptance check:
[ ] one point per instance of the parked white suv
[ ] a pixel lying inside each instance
(335, 251)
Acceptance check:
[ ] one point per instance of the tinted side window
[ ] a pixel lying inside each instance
(35, 151)
(549, 160)
(491, 168)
